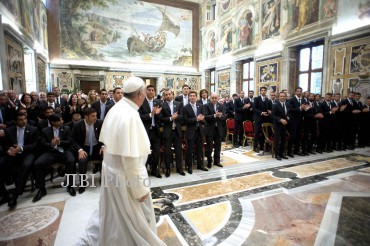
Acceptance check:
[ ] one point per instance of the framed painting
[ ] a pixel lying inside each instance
(223, 83)
(15, 64)
(338, 86)
(270, 18)
(360, 56)
(268, 72)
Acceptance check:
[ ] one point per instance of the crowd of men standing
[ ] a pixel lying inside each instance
(41, 129)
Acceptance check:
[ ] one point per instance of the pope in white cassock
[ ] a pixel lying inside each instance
(126, 214)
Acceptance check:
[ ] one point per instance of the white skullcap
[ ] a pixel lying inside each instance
(132, 84)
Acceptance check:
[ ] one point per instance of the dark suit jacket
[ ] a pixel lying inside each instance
(278, 113)
(44, 105)
(30, 138)
(65, 136)
(145, 111)
(79, 133)
(190, 120)
(249, 111)
(296, 114)
(96, 106)
(325, 110)
(42, 124)
(210, 121)
(258, 107)
(230, 109)
(240, 113)
(201, 101)
(167, 123)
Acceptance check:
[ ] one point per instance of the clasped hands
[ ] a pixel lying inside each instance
(12, 151)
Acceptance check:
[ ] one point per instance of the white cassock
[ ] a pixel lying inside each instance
(122, 219)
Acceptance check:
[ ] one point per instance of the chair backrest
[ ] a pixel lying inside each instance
(248, 127)
(267, 130)
(230, 123)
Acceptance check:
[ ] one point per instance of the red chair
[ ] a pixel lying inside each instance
(248, 132)
(230, 124)
(268, 132)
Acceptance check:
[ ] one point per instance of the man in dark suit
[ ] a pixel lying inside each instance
(262, 111)
(310, 125)
(101, 105)
(203, 97)
(350, 110)
(230, 107)
(13, 102)
(59, 100)
(193, 118)
(298, 105)
(20, 143)
(214, 115)
(172, 132)
(326, 125)
(338, 130)
(117, 96)
(280, 118)
(85, 135)
(250, 100)
(57, 142)
(184, 98)
(241, 109)
(150, 114)
(51, 103)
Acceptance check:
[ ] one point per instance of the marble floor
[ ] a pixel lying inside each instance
(321, 199)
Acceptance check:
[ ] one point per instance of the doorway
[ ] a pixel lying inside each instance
(150, 81)
(87, 86)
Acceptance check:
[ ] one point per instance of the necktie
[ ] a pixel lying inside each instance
(20, 137)
(215, 111)
(57, 100)
(299, 100)
(171, 107)
(195, 110)
(329, 106)
(151, 109)
(285, 111)
(102, 111)
(91, 130)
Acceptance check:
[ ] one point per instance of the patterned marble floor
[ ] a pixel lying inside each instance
(253, 200)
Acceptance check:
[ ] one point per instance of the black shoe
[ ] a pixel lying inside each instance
(256, 150)
(167, 173)
(4, 200)
(39, 195)
(319, 151)
(284, 157)
(305, 153)
(351, 148)
(190, 171)
(278, 158)
(61, 171)
(209, 165)
(13, 201)
(218, 164)
(299, 153)
(71, 191)
(236, 145)
(202, 168)
(156, 174)
(179, 171)
(95, 170)
(81, 190)
(291, 155)
(311, 152)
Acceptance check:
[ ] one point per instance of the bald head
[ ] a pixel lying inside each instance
(214, 98)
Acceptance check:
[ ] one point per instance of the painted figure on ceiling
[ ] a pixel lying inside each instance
(303, 13)
(245, 25)
(226, 41)
(330, 8)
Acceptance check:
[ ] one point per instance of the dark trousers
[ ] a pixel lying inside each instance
(155, 146)
(337, 134)
(82, 163)
(324, 140)
(175, 141)
(280, 135)
(309, 135)
(214, 139)
(258, 134)
(364, 133)
(350, 131)
(198, 142)
(49, 158)
(238, 131)
(24, 163)
(295, 132)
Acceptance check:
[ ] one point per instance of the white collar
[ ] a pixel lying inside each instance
(131, 103)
